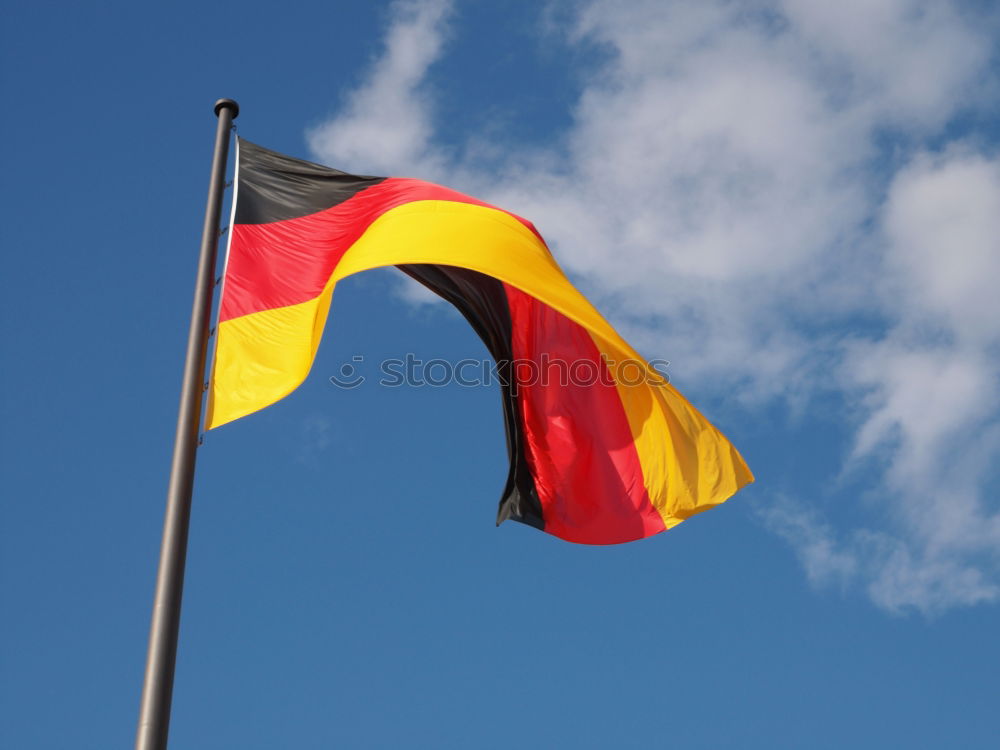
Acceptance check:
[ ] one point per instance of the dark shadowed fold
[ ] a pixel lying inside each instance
(483, 302)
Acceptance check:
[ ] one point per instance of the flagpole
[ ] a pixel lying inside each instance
(157, 688)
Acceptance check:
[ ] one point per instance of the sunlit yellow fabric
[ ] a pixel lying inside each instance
(688, 465)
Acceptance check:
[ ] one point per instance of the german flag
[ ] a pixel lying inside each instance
(602, 449)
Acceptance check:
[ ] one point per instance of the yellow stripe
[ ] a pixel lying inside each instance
(262, 357)
(688, 465)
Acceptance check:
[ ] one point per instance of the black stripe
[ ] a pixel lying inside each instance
(483, 302)
(273, 187)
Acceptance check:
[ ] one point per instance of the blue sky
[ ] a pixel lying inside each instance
(795, 203)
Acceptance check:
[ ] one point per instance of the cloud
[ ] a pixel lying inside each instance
(771, 195)
(825, 559)
(930, 385)
(899, 574)
(901, 581)
(942, 227)
(384, 127)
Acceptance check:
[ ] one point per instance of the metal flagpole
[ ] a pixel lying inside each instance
(157, 688)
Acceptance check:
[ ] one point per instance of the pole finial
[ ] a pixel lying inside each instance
(227, 104)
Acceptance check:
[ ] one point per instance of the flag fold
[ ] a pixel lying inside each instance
(602, 448)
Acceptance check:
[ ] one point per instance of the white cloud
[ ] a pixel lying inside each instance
(385, 125)
(898, 574)
(415, 293)
(930, 583)
(943, 227)
(742, 182)
(931, 386)
(907, 62)
(825, 560)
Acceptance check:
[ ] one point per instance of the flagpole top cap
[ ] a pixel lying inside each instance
(227, 104)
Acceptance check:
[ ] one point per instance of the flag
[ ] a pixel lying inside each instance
(602, 448)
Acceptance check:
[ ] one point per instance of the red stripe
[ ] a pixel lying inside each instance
(288, 262)
(579, 444)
